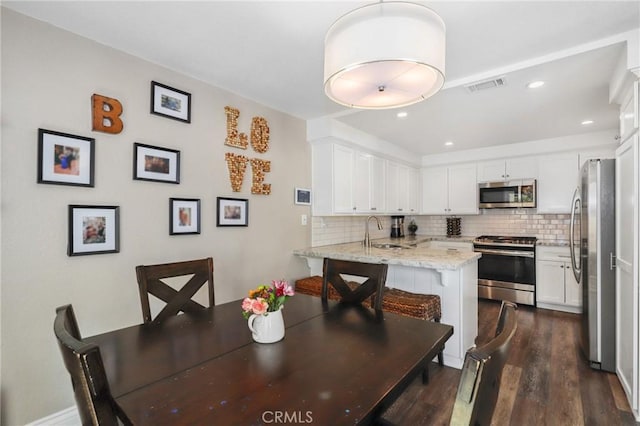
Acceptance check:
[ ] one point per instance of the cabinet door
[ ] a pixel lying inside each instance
(522, 168)
(557, 180)
(342, 179)
(462, 189)
(627, 309)
(629, 115)
(434, 190)
(393, 200)
(412, 190)
(550, 282)
(377, 184)
(491, 171)
(572, 290)
(361, 188)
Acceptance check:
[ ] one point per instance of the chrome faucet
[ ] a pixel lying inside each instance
(367, 240)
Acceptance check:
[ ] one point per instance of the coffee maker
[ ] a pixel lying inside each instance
(397, 226)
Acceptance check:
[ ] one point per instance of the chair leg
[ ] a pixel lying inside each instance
(440, 354)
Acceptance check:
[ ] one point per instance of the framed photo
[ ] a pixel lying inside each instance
(184, 216)
(65, 159)
(232, 212)
(156, 164)
(169, 102)
(302, 196)
(93, 230)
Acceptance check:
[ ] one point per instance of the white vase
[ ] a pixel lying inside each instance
(268, 328)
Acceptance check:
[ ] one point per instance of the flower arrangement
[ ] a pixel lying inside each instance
(265, 299)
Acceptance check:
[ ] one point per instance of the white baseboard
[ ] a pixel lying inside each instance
(66, 417)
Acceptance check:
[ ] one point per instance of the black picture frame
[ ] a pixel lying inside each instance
(93, 230)
(170, 102)
(156, 164)
(184, 216)
(232, 211)
(65, 159)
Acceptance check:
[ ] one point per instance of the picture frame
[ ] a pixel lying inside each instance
(232, 212)
(65, 159)
(184, 216)
(170, 102)
(302, 196)
(93, 230)
(156, 164)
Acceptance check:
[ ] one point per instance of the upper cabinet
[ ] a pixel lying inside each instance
(350, 181)
(450, 190)
(557, 180)
(401, 189)
(514, 168)
(368, 183)
(629, 113)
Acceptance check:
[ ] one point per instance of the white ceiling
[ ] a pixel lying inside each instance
(272, 52)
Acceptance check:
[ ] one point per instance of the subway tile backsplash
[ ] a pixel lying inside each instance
(344, 229)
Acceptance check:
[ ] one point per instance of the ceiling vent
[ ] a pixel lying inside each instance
(486, 84)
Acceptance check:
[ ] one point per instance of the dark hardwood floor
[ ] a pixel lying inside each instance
(546, 381)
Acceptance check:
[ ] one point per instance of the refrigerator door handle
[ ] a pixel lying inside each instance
(577, 271)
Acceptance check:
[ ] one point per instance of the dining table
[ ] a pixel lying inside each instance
(337, 364)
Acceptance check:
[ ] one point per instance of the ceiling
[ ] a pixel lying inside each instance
(272, 52)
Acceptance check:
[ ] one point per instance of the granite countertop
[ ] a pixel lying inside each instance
(420, 256)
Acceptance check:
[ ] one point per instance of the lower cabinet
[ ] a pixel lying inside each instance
(556, 287)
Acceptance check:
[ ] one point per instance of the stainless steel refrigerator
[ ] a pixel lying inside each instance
(592, 236)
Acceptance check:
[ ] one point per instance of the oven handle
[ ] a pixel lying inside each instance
(514, 253)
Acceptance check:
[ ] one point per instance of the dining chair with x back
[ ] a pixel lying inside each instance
(150, 281)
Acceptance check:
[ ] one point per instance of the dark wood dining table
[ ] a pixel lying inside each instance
(338, 364)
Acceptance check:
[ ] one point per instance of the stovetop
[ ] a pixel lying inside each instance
(517, 241)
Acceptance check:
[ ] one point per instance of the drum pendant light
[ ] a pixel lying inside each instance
(384, 55)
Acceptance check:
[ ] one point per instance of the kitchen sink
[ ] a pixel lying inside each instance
(392, 246)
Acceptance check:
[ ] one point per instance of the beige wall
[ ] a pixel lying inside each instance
(48, 77)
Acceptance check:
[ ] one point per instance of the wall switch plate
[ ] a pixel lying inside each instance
(303, 219)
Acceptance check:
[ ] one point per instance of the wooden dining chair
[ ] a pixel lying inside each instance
(482, 372)
(373, 286)
(150, 282)
(83, 361)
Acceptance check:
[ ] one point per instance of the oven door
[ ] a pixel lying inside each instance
(512, 266)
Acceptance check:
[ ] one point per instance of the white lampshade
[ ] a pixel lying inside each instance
(384, 55)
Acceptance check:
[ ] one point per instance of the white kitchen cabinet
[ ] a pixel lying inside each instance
(449, 190)
(401, 188)
(368, 183)
(627, 275)
(629, 115)
(556, 286)
(557, 181)
(512, 168)
(342, 179)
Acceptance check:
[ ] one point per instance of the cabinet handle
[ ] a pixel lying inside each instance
(374, 208)
(399, 210)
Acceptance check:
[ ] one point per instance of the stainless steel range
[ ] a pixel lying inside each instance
(507, 268)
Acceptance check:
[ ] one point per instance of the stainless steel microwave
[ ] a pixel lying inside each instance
(507, 194)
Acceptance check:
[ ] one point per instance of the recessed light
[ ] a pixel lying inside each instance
(448, 143)
(535, 84)
(587, 122)
(402, 114)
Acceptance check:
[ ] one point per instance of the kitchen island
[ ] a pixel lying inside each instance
(419, 266)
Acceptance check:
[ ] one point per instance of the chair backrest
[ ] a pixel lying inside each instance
(376, 274)
(88, 378)
(150, 282)
(482, 371)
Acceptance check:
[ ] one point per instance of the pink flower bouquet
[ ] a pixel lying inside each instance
(265, 299)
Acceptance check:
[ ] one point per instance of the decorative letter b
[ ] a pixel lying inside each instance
(106, 113)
